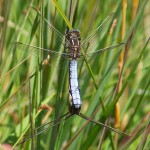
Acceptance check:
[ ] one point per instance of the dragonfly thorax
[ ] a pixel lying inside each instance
(73, 43)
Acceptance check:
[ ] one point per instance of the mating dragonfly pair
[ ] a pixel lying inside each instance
(74, 53)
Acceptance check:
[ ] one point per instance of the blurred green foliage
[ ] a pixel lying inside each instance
(26, 84)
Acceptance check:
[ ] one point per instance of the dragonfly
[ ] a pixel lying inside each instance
(74, 48)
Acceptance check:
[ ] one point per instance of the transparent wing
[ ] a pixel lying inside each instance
(57, 42)
(51, 56)
(44, 128)
(94, 57)
(95, 39)
(34, 50)
(97, 52)
(94, 44)
(55, 35)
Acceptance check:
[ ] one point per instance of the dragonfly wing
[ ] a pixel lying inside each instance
(98, 52)
(95, 39)
(55, 34)
(93, 57)
(44, 127)
(34, 50)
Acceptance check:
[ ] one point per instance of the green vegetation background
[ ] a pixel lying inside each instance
(25, 84)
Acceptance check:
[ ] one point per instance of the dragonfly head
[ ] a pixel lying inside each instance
(73, 34)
